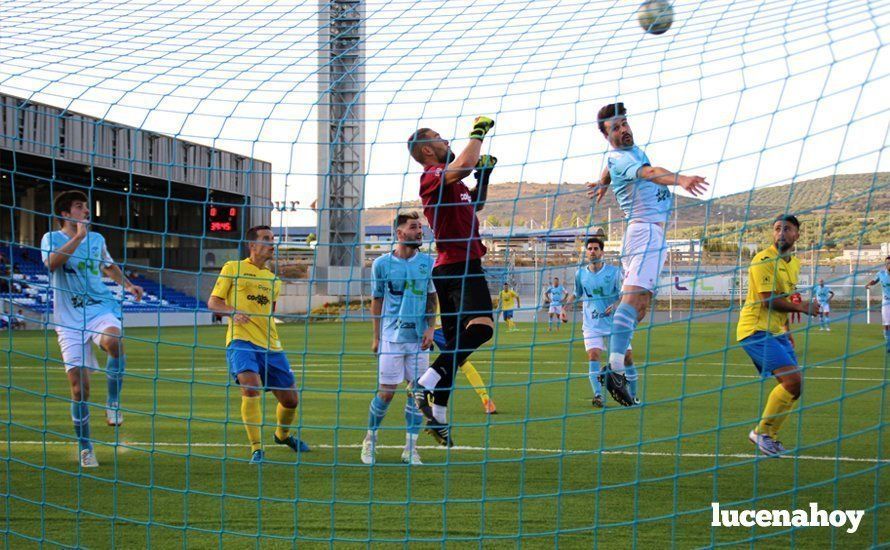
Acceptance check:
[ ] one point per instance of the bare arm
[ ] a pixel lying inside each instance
(376, 311)
(694, 184)
(463, 165)
(57, 258)
(871, 283)
(597, 189)
(784, 305)
(114, 272)
(432, 304)
(218, 305)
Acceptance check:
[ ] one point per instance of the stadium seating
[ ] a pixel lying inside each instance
(29, 287)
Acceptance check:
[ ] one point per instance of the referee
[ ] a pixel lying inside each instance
(465, 301)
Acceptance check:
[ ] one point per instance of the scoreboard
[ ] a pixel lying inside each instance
(222, 218)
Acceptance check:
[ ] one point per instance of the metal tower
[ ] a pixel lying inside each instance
(341, 136)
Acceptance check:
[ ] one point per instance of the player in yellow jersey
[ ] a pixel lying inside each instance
(468, 370)
(246, 291)
(762, 332)
(508, 300)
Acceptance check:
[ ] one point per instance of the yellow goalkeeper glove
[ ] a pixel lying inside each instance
(481, 126)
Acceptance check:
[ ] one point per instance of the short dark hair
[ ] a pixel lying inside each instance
(790, 218)
(596, 240)
(253, 231)
(415, 141)
(64, 201)
(609, 112)
(405, 217)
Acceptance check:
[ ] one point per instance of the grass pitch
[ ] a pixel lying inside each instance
(548, 469)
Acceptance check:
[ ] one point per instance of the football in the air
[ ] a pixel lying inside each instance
(655, 16)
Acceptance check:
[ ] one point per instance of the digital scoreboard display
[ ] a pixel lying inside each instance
(222, 218)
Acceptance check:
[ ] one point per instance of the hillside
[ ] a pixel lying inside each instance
(848, 196)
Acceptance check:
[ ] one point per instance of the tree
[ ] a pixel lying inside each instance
(311, 238)
(493, 220)
(558, 222)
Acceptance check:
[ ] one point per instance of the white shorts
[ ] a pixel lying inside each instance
(825, 308)
(597, 341)
(77, 344)
(643, 255)
(885, 314)
(555, 309)
(401, 362)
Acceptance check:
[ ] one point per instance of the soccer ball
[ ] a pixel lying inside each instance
(655, 16)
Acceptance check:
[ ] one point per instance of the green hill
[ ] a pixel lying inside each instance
(845, 206)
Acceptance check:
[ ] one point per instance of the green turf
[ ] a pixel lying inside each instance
(179, 474)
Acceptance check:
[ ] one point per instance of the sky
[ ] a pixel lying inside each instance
(745, 93)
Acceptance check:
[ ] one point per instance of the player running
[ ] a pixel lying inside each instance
(404, 313)
(508, 300)
(772, 279)
(643, 193)
(555, 295)
(598, 286)
(823, 296)
(882, 277)
(464, 298)
(246, 291)
(85, 312)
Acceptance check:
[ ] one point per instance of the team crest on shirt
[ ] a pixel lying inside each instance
(466, 197)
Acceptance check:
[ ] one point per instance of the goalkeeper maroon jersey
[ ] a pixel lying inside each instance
(450, 211)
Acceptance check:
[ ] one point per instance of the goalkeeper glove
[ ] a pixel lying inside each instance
(481, 126)
(485, 166)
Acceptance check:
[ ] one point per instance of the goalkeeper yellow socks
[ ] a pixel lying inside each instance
(475, 380)
(285, 421)
(778, 404)
(252, 415)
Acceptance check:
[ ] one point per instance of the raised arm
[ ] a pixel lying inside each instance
(598, 189)
(696, 185)
(462, 166)
(56, 258)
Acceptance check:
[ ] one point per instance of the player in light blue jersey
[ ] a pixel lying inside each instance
(882, 278)
(85, 311)
(598, 286)
(823, 296)
(555, 296)
(643, 194)
(404, 316)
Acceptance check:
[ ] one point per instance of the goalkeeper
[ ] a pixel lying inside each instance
(464, 297)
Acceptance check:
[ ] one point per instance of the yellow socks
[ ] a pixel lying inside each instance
(252, 414)
(778, 404)
(475, 380)
(285, 420)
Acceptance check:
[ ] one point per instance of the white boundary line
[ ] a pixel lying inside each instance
(372, 373)
(149, 445)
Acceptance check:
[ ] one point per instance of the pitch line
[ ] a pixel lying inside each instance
(525, 450)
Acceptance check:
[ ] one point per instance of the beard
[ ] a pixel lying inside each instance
(447, 158)
(414, 244)
(783, 246)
